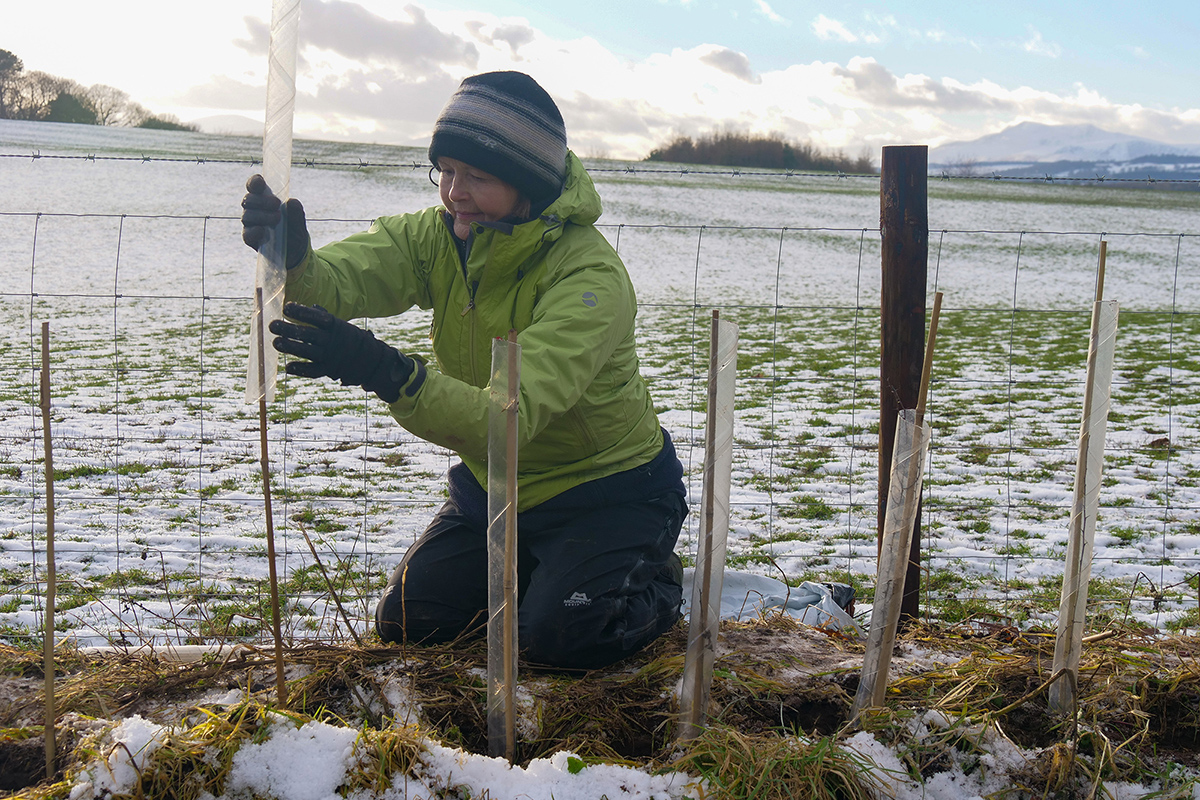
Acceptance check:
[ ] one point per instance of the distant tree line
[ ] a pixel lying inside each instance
(40, 96)
(772, 151)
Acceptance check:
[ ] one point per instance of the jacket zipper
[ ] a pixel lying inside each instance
(464, 248)
(463, 251)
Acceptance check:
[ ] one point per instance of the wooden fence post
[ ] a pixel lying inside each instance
(904, 229)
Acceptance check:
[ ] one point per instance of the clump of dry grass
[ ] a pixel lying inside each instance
(28, 663)
(776, 768)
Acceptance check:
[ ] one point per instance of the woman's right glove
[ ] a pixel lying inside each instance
(260, 214)
(334, 348)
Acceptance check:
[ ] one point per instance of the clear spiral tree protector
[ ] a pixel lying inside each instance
(714, 531)
(503, 407)
(271, 270)
(1081, 538)
(900, 516)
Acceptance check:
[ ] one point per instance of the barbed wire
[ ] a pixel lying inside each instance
(674, 226)
(733, 172)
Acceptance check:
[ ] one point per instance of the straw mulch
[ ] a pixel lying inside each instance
(780, 703)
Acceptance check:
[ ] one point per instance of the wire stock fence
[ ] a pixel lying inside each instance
(160, 527)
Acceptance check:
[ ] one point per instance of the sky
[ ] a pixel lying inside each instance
(630, 75)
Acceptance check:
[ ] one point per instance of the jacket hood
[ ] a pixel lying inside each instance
(579, 201)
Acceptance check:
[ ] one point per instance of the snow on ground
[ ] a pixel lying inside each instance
(311, 761)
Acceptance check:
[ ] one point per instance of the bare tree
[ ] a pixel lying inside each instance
(110, 104)
(35, 91)
(11, 68)
(135, 115)
(865, 162)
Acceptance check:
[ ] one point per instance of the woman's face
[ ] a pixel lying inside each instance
(472, 195)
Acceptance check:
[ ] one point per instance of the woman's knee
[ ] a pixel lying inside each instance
(402, 617)
(433, 595)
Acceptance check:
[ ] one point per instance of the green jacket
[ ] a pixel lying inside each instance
(584, 409)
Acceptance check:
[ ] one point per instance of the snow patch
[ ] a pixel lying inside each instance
(306, 762)
(562, 775)
(129, 746)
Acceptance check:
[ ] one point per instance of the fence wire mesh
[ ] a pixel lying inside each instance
(160, 529)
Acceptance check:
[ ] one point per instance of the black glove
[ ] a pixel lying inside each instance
(260, 214)
(339, 350)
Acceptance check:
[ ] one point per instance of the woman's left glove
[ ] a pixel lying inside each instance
(339, 350)
(261, 212)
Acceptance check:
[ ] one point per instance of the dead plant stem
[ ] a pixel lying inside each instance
(280, 682)
(337, 600)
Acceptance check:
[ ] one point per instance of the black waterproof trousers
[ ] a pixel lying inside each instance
(595, 578)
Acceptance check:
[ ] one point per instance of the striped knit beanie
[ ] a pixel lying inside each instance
(505, 123)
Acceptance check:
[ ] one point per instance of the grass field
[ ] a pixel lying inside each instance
(160, 528)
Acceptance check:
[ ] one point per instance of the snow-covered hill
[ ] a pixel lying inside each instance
(230, 125)
(1029, 142)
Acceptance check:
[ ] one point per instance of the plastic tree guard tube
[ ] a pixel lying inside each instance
(271, 271)
(504, 393)
(714, 531)
(904, 494)
(1089, 468)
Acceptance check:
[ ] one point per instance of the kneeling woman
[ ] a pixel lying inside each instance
(513, 245)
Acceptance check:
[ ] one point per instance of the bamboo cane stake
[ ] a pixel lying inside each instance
(265, 461)
(927, 367)
(48, 637)
(270, 272)
(1080, 538)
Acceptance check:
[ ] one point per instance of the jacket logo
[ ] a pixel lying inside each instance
(577, 599)
(590, 299)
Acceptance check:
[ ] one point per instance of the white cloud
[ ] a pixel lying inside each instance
(826, 28)
(353, 32)
(1038, 46)
(627, 107)
(731, 62)
(769, 13)
(834, 30)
